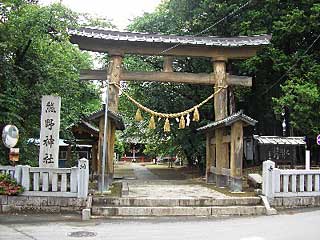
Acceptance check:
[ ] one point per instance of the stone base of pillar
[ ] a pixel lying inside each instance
(108, 180)
(211, 178)
(221, 181)
(236, 184)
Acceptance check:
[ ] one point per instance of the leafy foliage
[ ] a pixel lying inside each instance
(294, 26)
(38, 59)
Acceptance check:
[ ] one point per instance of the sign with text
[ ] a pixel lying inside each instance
(49, 134)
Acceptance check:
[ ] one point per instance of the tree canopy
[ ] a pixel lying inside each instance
(284, 73)
(36, 58)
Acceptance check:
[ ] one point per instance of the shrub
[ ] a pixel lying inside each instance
(9, 186)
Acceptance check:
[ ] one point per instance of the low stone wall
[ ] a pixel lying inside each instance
(295, 202)
(41, 204)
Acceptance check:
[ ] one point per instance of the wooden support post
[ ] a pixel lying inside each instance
(221, 111)
(111, 140)
(94, 163)
(69, 149)
(167, 64)
(222, 157)
(236, 156)
(210, 158)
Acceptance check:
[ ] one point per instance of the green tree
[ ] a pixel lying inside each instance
(36, 58)
(294, 26)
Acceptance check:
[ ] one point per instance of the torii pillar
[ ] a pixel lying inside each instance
(221, 112)
(113, 76)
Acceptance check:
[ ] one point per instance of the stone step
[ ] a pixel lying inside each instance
(178, 211)
(183, 202)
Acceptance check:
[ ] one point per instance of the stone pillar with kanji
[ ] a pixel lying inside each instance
(49, 133)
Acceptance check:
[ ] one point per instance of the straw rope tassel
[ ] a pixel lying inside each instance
(196, 116)
(167, 116)
(152, 124)
(182, 123)
(166, 127)
(138, 116)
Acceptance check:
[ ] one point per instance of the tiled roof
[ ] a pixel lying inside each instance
(89, 126)
(228, 121)
(280, 140)
(98, 33)
(114, 116)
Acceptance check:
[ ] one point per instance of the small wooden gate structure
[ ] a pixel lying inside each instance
(117, 44)
(224, 139)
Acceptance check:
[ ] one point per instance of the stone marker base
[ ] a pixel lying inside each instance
(86, 214)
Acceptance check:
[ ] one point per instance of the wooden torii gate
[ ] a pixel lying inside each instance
(220, 50)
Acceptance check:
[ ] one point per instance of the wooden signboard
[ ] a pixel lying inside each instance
(49, 134)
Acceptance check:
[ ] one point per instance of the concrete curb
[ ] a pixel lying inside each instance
(269, 210)
(86, 213)
(175, 202)
(179, 211)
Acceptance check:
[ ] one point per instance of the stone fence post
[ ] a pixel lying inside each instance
(25, 177)
(268, 188)
(83, 178)
(18, 173)
(74, 179)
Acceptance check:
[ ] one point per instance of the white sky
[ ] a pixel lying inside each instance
(120, 11)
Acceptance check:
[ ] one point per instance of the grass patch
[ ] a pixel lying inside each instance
(114, 191)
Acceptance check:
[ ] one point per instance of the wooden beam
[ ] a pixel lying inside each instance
(177, 77)
(225, 139)
(239, 80)
(162, 49)
(93, 74)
